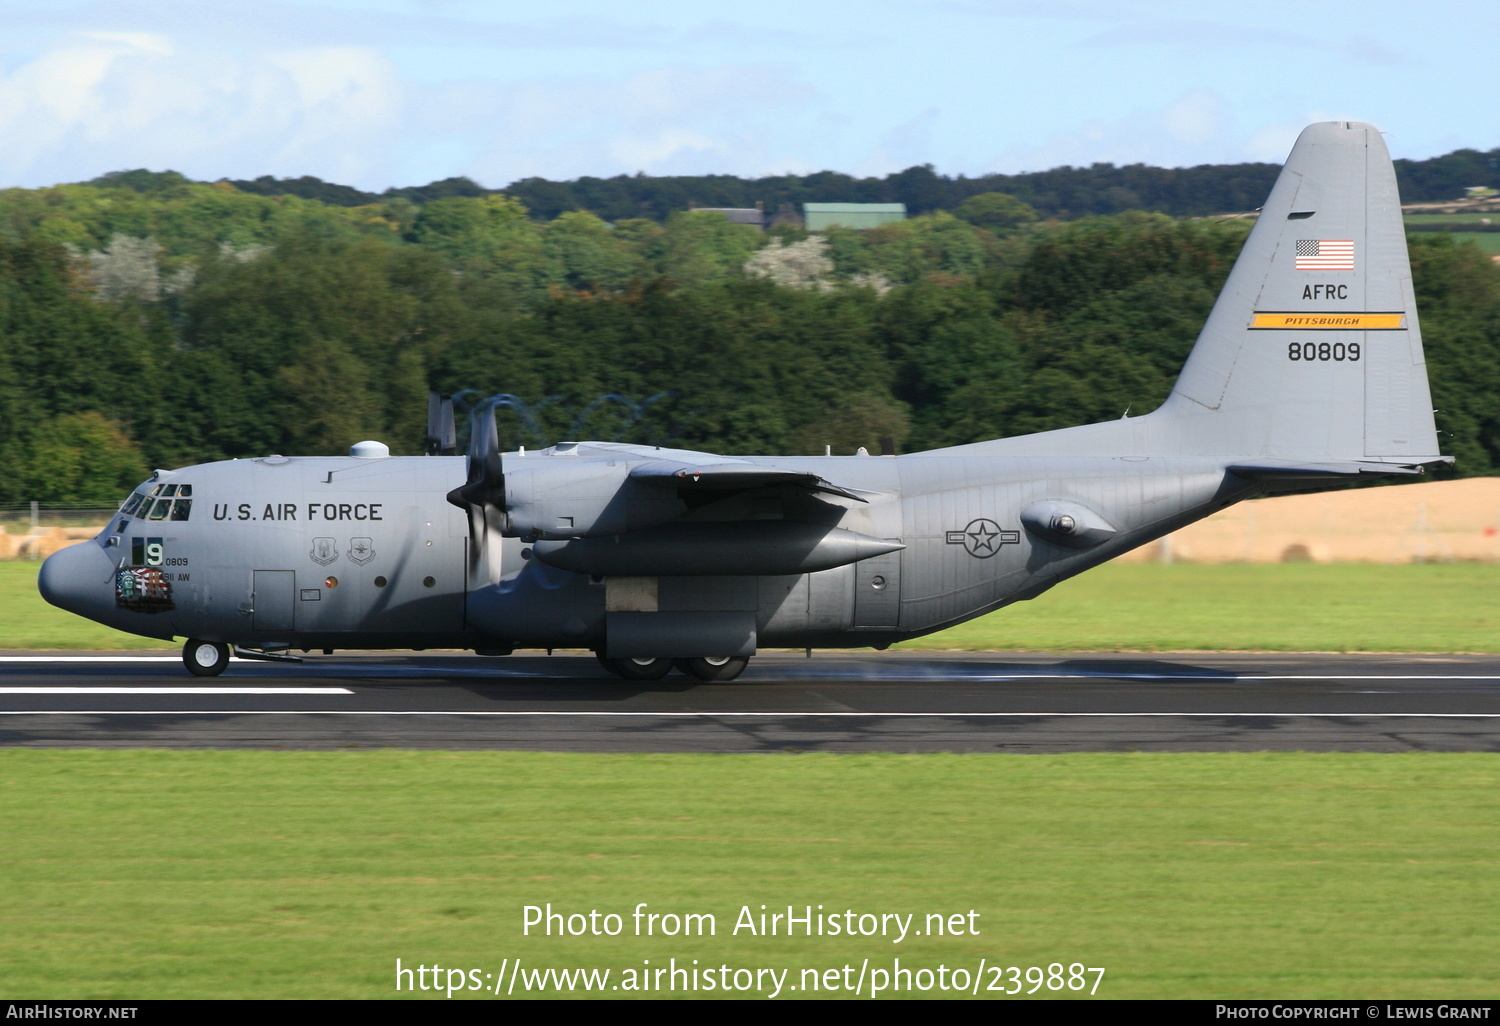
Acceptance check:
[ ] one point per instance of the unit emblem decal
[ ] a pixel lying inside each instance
(983, 538)
(143, 589)
(361, 551)
(324, 551)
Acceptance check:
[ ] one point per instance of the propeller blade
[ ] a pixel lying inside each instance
(482, 496)
(485, 486)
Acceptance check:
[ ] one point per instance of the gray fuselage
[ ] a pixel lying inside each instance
(355, 553)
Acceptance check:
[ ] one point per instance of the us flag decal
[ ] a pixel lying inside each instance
(1325, 254)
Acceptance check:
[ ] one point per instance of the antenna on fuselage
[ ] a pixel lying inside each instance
(442, 433)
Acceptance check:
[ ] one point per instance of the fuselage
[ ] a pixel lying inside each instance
(357, 553)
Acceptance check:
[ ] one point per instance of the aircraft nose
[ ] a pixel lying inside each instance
(79, 579)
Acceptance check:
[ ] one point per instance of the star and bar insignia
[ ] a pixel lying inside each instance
(983, 538)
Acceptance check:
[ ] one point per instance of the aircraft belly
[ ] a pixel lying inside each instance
(540, 607)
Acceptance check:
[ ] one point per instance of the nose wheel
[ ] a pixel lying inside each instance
(205, 658)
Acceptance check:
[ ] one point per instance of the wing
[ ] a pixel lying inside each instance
(731, 475)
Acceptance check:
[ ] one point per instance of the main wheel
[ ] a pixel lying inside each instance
(205, 658)
(640, 668)
(714, 667)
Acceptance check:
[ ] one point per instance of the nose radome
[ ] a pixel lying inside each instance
(79, 579)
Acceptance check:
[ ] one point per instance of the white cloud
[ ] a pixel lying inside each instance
(1271, 143)
(661, 121)
(148, 42)
(906, 145)
(1194, 129)
(110, 101)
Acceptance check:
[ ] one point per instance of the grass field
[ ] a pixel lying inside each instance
(1473, 217)
(296, 874)
(1138, 607)
(1487, 241)
(150, 874)
(1294, 607)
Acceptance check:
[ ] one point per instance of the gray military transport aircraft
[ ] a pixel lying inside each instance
(1308, 374)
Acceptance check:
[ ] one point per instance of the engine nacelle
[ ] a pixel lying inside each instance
(565, 496)
(713, 548)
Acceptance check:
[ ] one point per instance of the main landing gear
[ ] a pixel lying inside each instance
(710, 668)
(205, 658)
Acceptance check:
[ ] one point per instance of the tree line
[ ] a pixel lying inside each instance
(183, 322)
(1063, 192)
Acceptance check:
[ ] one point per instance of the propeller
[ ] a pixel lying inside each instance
(482, 496)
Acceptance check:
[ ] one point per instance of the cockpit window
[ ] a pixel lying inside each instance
(165, 502)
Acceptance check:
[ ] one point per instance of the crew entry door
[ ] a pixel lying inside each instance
(272, 599)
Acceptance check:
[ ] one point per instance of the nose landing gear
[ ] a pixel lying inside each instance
(205, 658)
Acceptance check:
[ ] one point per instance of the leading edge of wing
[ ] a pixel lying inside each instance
(736, 476)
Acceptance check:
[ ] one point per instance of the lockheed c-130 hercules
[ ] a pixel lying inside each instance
(1308, 374)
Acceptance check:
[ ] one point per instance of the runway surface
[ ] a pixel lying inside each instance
(837, 702)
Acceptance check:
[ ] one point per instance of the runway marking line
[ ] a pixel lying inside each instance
(184, 690)
(1102, 674)
(743, 715)
(90, 659)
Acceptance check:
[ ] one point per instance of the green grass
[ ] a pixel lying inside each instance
(1351, 607)
(148, 874)
(1471, 217)
(1487, 241)
(28, 622)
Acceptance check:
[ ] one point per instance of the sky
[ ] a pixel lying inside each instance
(380, 93)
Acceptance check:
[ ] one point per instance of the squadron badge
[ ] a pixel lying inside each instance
(361, 551)
(324, 551)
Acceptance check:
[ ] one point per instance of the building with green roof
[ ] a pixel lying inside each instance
(851, 215)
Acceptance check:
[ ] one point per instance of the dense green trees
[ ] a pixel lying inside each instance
(151, 321)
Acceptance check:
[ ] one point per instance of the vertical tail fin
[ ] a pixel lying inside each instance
(1313, 350)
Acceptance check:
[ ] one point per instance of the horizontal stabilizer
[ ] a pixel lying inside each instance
(1266, 469)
